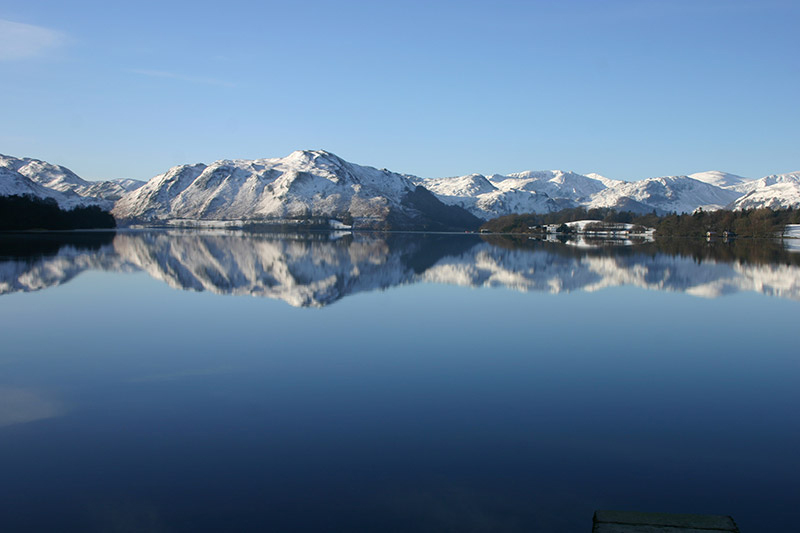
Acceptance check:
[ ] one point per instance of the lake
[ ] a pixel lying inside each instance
(227, 381)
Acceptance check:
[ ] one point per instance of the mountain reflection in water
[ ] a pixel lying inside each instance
(317, 269)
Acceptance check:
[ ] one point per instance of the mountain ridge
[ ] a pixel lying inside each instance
(310, 184)
(317, 184)
(73, 190)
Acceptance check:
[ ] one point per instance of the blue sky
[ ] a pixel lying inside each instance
(629, 89)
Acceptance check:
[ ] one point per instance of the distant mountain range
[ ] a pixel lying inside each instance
(32, 177)
(317, 185)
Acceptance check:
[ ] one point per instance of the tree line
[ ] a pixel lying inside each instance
(763, 222)
(29, 213)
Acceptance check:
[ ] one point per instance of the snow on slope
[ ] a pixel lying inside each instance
(555, 189)
(302, 185)
(461, 186)
(12, 183)
(500, 203)
(768, 181)
(554, 183)
(112, 189)
(775, 191)
(46, 174)
(608, 182)
(719, 178)
(711, 190)
(681, 194)
(482, 198)
(310, 184)
(542, 191)
(62, 179)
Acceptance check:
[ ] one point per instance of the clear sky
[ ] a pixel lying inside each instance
(629, 89)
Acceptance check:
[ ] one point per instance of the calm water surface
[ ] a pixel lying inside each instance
(157, 381)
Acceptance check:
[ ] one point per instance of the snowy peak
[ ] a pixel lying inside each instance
(608, 182)
(63, 180)
(775, 191)
(485, 199)
(308, 184)
(317, 159)
(719, 178)
(46, 174)
(470, 185)
(680, 194)
(768, 181)
(111, 190)
(150, 200)
(127, 184)
(311, 184)
(12, 183)
(541, 191)
(554, 183)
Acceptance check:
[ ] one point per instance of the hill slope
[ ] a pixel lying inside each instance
(305, 184)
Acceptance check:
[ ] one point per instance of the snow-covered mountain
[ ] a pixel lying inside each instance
(111, 189)
(63, 180)
(555, 183)
(541, 191)
(719, 178)
(681, 194)
(775, 191)
(12, 183)
(552, 190)
(46, 174)
(305, 184)
(319, 185)
(484, 199)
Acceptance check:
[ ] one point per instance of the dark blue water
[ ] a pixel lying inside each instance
(216, 382)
